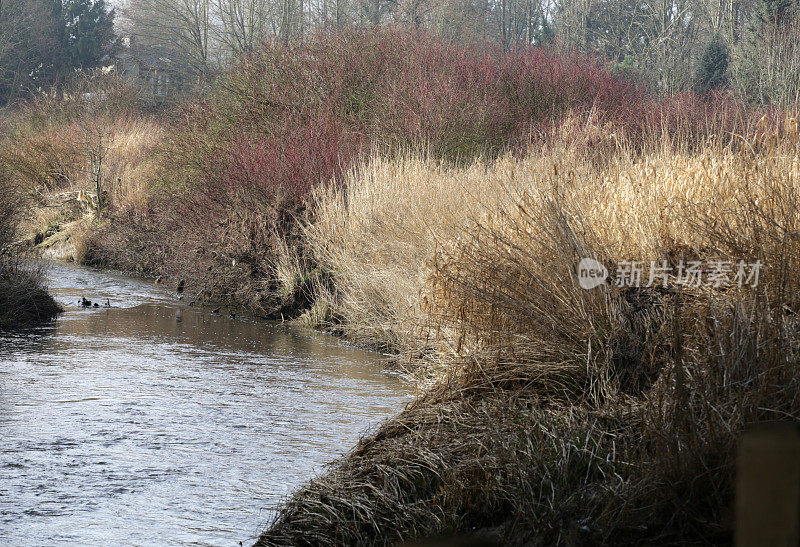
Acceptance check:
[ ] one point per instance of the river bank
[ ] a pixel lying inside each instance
(558, 413)
(24, 302)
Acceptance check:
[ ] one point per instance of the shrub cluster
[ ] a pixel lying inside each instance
(240, 163)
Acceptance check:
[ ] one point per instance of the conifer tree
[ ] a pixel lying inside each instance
(88, 32)
(712, 72)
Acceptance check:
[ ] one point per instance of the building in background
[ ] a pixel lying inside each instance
(162, 74)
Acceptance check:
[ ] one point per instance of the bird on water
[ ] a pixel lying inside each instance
(180, 289)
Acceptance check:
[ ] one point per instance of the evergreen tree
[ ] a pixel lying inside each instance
(88, 32)
(712, 72)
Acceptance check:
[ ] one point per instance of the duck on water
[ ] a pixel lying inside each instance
(88, 303)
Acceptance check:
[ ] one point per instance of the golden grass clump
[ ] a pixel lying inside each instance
(377, 236)
(388, 229)
(560, 414)
(133, 147)
(508, 284)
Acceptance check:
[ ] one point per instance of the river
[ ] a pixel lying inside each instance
(155, 423)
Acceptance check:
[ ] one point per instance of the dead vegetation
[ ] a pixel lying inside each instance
(55, 147)
(556, 414)
(23, 299)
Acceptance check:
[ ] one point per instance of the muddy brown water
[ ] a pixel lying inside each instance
(155, 423)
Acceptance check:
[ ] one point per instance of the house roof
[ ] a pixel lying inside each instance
(156, 58)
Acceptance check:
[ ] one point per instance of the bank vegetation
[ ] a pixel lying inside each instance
(24, 300)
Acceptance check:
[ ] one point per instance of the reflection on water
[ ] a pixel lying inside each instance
(152, 424)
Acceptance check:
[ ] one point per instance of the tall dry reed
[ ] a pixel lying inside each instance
(560, 414)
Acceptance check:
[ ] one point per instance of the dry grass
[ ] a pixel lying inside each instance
(48, 163)
(446, 468)
(378, 235)
(558, 414)
(23, 299)
(132, 168)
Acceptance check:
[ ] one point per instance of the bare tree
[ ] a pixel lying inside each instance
(668, 42)
(243, 23)
(767, 64)
(183, 26)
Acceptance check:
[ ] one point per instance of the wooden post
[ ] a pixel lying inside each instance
(768, 486)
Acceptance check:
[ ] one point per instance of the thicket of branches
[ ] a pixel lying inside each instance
(663, 41)
(42, 42)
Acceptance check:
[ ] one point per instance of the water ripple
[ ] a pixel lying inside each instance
(146, 424)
